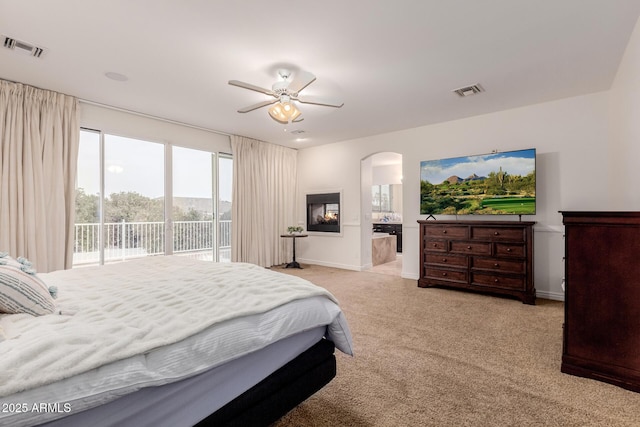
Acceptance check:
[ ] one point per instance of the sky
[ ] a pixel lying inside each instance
(134, 165)
(513, 162)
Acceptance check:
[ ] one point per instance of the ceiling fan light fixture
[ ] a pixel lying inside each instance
(284, 112)
(285, 101)
(284, 92)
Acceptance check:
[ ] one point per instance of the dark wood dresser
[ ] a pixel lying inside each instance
(602, 297)
(487, 256)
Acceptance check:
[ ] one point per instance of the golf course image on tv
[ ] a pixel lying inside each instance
(488, 184)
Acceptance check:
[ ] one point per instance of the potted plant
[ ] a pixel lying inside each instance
(294, 229)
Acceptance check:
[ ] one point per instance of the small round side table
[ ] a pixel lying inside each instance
(294, 263)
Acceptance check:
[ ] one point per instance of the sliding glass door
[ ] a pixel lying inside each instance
(88, 240)
(193, 203)
(133, 202)
(225, 178)
(122, 210)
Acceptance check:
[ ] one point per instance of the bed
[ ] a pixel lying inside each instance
(168, 341)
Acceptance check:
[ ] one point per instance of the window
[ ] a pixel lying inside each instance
(123, 210)
(193, 203)
(225, 178)
(88, 195)
(133, 203)
(381, 196)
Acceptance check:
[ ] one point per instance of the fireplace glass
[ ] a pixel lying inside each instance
(323, 212)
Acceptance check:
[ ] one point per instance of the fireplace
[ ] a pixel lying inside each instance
(323, 212)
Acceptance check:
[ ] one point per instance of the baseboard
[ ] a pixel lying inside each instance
(329, 264)
(555, 296)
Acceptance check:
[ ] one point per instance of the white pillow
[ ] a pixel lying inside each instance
(21, 291)
(5, 259)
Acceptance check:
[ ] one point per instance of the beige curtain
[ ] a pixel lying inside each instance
(39, 138)
(264, 201)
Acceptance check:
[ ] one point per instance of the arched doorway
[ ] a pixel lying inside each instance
(381, 204)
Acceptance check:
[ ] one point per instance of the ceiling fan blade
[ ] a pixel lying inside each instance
(256, 106)
(251, 87)
(301, 80)
(321, 101)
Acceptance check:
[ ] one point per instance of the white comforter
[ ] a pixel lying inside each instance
(113, 312)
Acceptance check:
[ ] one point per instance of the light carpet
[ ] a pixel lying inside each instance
(439, 357)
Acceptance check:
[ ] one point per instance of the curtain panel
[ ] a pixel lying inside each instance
(39, 140)
(264, 201)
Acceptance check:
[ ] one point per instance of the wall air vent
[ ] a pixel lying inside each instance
(468, 90)
(22, 47)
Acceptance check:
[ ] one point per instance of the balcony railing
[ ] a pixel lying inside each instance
(124, 240)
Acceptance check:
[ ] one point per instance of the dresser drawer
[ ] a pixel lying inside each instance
(499, 265)
(484, 256)
(511, 250)
(512, 234)
(436, 245)
(447, 231)
(443, 275)
(473, 248)
(497, 281)
(446, 259)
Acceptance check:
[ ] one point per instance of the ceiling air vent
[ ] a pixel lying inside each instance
(298, 132)
(469, 90)
(22, 47)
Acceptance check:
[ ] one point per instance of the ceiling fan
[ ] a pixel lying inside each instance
(284, 93)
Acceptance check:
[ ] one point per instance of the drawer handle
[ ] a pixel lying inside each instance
(444, 274)
(444, 231)
(508, 249)
(495, 280)
(496, 233)
(435, 245)
(496, 265)
(468, 247)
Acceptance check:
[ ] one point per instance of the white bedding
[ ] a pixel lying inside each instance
(163, 300)
(188, 401)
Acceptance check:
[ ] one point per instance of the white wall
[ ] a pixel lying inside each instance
(387, 174)
(571, 138)
(122, 123)
(331, 173)
(625, 128)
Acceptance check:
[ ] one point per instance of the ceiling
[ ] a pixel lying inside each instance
(394, 64)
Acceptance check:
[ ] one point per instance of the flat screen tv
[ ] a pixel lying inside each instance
(488, 184)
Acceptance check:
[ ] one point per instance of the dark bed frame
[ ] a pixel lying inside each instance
(281, 391)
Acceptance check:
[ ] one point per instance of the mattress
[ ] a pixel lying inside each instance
(188, 401)
(261, 319)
